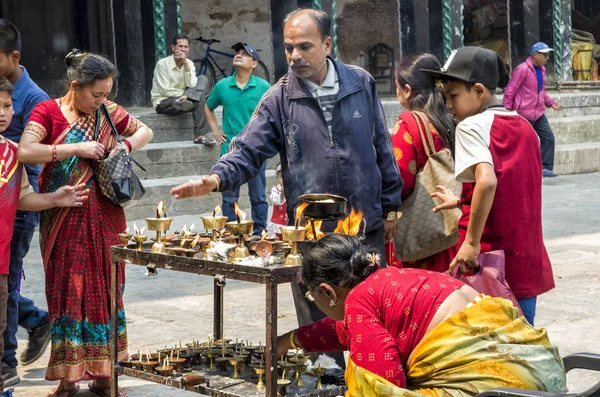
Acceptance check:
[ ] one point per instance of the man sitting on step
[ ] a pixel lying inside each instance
(176, 88)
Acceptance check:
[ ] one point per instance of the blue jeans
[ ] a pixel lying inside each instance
(543, 130)
(258, 201)
(20, 310)
(528, 308)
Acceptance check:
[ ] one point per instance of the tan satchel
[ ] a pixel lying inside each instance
(421, 232)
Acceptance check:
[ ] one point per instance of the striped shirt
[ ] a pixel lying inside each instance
(326, 94)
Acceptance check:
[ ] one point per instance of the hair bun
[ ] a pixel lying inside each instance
(71, 56)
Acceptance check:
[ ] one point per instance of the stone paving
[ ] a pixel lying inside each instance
(176, 307)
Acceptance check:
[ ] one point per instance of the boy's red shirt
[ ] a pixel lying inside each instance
(13, 185)
(508, 142)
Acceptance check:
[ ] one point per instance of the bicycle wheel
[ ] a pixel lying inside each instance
(209, 73)
(261, 71)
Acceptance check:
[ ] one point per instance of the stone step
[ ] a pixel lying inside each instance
(172, 159)
(157, 190)
(577, 158)
(169, 128)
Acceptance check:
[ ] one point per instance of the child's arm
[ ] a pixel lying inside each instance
(66, 196)
(481, 203)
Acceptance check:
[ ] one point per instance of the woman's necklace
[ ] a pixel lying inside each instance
(71, 108)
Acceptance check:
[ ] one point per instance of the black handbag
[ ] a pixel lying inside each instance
(115, 174)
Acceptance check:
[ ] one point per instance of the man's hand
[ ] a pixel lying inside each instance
(70, 196)
(181, 98)
(557, 106)
(466, 258)
(390, 229)
(449, 200)
(199, 187)
(219, 137)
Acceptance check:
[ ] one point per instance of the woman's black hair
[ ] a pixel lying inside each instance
(86, 68)
(338, 260)
(427, 96)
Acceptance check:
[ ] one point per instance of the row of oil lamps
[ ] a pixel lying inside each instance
(168, 362)
(239, 228)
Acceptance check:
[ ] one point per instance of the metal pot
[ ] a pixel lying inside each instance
(325, 207)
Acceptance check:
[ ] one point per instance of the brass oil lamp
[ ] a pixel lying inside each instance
(214, 223)
(240, 228)
(159, 224)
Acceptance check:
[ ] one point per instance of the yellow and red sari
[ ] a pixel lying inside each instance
(483, 347)
(75, 244)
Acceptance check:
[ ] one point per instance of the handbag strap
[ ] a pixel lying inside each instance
(426, 137)
(113, 129)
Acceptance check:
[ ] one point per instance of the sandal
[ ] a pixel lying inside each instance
(61, 391)
(104, 392)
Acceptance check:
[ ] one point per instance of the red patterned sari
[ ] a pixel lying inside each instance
(75, 244)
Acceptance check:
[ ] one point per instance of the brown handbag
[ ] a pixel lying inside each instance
(421, 232)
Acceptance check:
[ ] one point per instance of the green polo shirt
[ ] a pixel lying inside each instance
(238, 104)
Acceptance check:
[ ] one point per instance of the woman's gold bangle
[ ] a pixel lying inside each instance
(292, 334)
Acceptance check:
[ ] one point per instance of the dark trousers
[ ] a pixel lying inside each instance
(3, 298)
(197, 95)
(258, 201)
(20, 310)
(543, 130)
(308, 312)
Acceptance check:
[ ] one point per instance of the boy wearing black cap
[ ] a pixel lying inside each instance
(498, 161)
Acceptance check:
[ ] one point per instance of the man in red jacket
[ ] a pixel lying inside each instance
(526, 93)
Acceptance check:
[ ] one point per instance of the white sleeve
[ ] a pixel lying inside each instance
(472, 146)
(276, 196)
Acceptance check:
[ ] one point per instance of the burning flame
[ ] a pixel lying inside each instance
(264, 234)
(318, 232)
(195, 241)
(143, 230)
(192, 227)
(217, 210)
(127, 230)
(241, 215)
(299, 210)
(161, 210)
(351, 224)
(135, 229)
(184, 231)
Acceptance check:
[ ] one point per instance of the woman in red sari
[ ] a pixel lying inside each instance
(414, 332)
(417, 91)
(76, 242)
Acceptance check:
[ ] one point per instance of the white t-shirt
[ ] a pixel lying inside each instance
(473, 142)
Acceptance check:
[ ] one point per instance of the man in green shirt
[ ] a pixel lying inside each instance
(239, 95)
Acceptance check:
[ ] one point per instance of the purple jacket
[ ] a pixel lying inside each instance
(521, 93)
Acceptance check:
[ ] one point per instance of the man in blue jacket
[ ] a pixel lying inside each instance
(326, 122)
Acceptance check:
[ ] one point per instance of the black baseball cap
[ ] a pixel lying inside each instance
(474, 65)
(248, 48)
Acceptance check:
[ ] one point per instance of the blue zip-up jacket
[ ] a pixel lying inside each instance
(356, 161)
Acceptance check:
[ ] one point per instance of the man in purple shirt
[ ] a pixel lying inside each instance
(21, 311)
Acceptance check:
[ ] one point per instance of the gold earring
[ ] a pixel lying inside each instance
(332, 303)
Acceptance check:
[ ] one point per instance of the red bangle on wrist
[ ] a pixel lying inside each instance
(54, 154)
(128, 144)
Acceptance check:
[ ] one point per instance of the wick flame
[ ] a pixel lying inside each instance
(135, 229)
(184, 231)
(143, 230)
(264, 234)
(127, 230)
(318, 232)
(192, 227)
(195, 241)
(299, 210)
(217, 210)
(351, 224)
(239, 213)
(161, 210)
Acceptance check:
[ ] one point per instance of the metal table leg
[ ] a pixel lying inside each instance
(114, 328)
(219, 285)
(271, 340)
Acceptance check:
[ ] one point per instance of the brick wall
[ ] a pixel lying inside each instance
(361, 24)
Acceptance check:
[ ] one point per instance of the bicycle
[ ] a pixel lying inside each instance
(208, 66)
